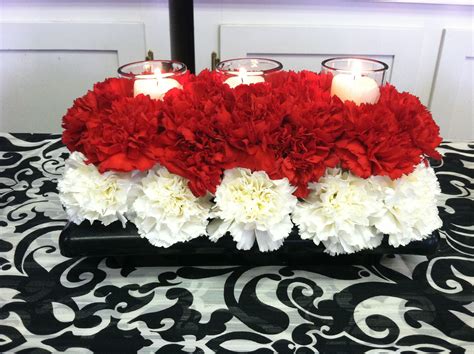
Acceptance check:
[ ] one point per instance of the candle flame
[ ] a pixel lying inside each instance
(356, 69)
(242, 74)
(158, 74)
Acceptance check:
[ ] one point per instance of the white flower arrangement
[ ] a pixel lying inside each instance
(251, 206)
(342, 211)
(165, 210)
(90, 195)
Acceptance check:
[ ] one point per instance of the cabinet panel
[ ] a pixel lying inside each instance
(45, 66)
(304, 47)
(452, 101)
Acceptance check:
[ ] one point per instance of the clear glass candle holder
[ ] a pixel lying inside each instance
(168, 68)
(153, 78)
(356, 79)
(245, 71)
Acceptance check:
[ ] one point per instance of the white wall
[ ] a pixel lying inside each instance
(209, 14)
(152, 13)
(40, 75)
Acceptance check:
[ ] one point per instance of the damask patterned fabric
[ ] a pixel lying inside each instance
(51, 303)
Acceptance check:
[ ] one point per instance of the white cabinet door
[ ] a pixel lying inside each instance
(45, 66)
(404, 49)
(452, 102)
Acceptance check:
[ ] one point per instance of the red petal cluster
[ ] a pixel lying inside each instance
(388, 138)
(114, 130)
(192, 139)
(289, 126)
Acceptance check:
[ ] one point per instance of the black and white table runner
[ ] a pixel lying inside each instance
(51, 303)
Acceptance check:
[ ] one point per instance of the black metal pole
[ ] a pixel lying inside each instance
(182, 32)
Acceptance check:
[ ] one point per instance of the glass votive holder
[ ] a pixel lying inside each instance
(356, 79)
(153, 77)
(246, 71)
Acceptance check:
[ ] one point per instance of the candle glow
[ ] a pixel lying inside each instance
(243, 77)
(355, 87)
(155, 85)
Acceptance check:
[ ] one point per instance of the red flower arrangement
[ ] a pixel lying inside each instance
(289, 126)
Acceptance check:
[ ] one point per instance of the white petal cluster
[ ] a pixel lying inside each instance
(251, 206)
(344, 212)
(338, 212)
(89, 195)
(410, 212)
(165, 210)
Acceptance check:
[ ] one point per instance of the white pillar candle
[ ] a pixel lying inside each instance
(244, 78)
(354, 87)
(154, 85)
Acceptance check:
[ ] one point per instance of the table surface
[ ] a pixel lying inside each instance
(53, 303)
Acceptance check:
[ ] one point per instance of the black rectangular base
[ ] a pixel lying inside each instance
(127, 245)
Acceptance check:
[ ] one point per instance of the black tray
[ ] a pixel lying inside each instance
(125, 244)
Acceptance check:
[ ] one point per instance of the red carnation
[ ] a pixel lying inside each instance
(305, 155)
(124, 139)
(191, 143)
(112, 89)
(293, 89)
(312, 123)
(74, 122)
(255, 116)
(113, 129)
(89, 107)
(414, 118)
(375, 143)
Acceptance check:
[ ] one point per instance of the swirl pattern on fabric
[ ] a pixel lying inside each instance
(52, 303)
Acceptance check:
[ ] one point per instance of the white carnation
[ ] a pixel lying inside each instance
(410, 211)
(338, 212)
(89, 195)
(252, 206)
(165, 210)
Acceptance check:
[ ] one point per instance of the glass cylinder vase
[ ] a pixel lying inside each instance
(246, 71)
(356, 79)
(153, 77)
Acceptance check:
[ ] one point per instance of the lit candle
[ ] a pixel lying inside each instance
(355, 87)
(154, 85)
(244, 78)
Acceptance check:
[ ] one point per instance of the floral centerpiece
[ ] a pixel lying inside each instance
(253, 161)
